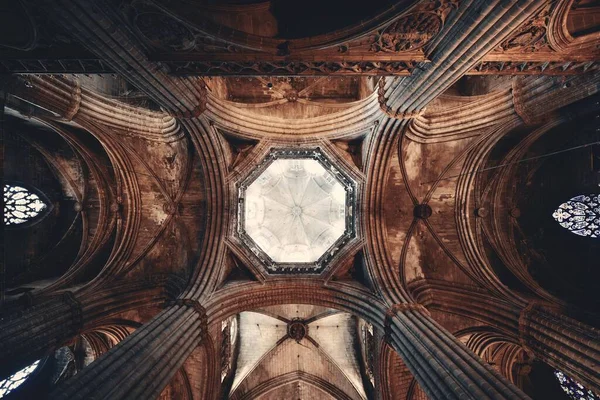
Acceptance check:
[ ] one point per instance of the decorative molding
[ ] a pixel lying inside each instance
(525, 321)
(201, 311)
(407, 33)
(519, 105)
(240, 67)
(413, 31)
(533, 67)
(161, 31)
(531, 36)
(189, 303)
(388, 109)
(349, 233)
(195, 113)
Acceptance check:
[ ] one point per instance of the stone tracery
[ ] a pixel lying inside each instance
(580, 215)
(21, 205)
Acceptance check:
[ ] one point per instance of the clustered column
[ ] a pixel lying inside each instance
(35, 331)
(444, 367)
(27, 336)
(143, 364)
(563, 343)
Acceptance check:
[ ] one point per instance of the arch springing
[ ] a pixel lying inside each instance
(574, 389)
(15, 380)
(580, 215)
(21, 205)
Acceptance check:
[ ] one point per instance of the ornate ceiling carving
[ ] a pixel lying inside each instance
(296, 210)
(393, 42)
(398, 180)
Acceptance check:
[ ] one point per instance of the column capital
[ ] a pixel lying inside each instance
(201, 311)
(533, 307)
(189, 303)
(561, 342)
(388, 110)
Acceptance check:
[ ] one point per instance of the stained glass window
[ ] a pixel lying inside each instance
(580, 215)
(15, 380)
(21, 205)
(574, 389)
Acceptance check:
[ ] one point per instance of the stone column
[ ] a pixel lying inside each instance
(143, 364)
(30, 334)
(563, 343)
(33, 332)
(474, 29)
(443, 366)
(560, 341)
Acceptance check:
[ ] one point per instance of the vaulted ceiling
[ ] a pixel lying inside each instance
(272, 354)
(451, 131)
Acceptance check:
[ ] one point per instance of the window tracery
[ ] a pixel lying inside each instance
(574, 389)
(21, 205)
(580, 215)
(15, 380)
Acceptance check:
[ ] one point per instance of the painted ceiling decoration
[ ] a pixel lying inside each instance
(580, 215)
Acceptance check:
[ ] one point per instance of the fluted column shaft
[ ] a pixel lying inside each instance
(142, 365)
(28, 336)
(36, 331)
(562, 343)
(443, 366)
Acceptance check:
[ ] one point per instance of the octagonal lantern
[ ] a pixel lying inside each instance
(296, 211)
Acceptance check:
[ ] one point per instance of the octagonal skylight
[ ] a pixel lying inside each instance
(296, 211)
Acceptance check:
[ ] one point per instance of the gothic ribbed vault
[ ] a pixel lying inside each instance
(318, 200)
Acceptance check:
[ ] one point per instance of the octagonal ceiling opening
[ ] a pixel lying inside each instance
(296, 211)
